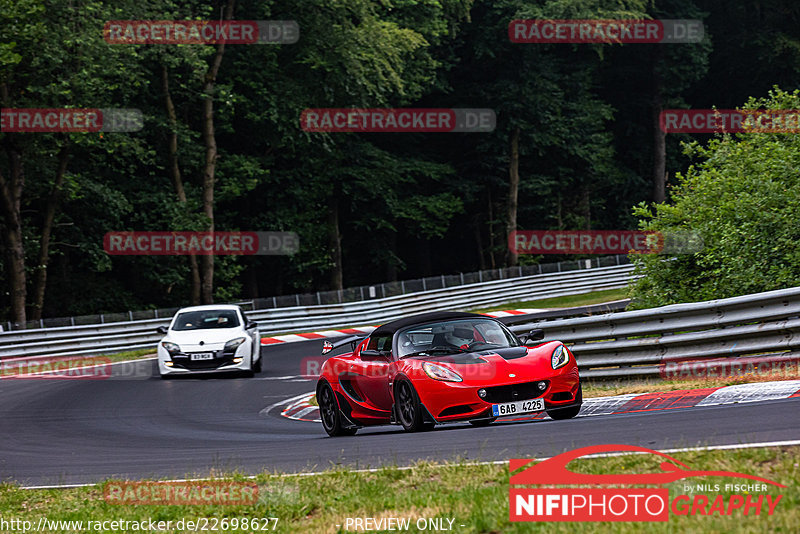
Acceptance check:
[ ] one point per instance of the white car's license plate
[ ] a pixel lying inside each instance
(519, 407)
(202, 356)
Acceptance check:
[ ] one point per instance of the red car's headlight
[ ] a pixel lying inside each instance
(437, 372)
(560, 357)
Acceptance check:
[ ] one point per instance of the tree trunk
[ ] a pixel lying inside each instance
(586, 204)
(10, 202)
(210, 141)
(391, 265)
(513, 195)
(53, 200)
(479, 244)
(175, 175)
(659, 137)
(492, 262)
(335, 245)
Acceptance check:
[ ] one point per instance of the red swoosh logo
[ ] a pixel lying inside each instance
(554, 471)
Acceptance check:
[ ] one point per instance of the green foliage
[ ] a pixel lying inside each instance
(743, 199)
(409, 205)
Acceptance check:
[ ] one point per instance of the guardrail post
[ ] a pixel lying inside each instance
(319, 301)
(462, 278)
(362, 292)
(274, 303)
(101, 319)
(297, 298)
(424, 287)
(480, 276)
(402, 287)
(340, 294)
(443, 282)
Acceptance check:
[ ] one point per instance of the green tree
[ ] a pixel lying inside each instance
(743, 199)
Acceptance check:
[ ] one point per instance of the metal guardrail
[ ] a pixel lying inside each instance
(134, 335)
(350, 294)
(641, 342)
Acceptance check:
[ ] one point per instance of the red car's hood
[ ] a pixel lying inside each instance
(499, 366)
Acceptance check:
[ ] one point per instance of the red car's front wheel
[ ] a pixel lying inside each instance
(409, 408)
(568, 413)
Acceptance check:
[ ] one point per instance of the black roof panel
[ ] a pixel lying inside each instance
(389, 329)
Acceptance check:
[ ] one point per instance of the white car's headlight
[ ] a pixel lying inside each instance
(233, 344)
(560, 357)
(170, 347)
(438, 372)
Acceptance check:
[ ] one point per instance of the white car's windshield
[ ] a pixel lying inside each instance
(201, 320)
(454, 336)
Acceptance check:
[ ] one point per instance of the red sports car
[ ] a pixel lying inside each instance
(443, 367)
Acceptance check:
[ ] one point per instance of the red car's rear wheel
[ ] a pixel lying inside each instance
(329, 412)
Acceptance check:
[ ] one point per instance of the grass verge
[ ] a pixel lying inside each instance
(475, 496)
(569, 301)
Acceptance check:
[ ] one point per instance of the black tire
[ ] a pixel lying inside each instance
(332, 420)
(409, 408)
(568, 413)
(483, 422)
(257, 365)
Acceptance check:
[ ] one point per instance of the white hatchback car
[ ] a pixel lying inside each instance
(212, 338)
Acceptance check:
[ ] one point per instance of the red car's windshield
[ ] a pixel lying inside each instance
(454, 336)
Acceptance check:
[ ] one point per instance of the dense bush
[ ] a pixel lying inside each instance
(743, 198)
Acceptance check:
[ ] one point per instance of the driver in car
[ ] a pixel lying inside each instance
(461, 337)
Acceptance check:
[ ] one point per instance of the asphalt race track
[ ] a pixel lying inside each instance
(56, 431)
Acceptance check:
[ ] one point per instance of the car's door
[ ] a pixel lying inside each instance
(252, 333)
(370, 374)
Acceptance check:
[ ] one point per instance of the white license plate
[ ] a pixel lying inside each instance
(519, 407)
(202, 356)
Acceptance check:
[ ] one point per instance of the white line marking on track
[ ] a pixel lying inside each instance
(790, 443)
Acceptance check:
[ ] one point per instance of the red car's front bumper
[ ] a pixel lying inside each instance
(454, 401)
